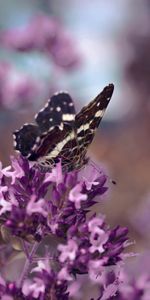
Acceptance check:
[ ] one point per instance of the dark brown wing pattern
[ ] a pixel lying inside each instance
(89, 118)
(59, 134)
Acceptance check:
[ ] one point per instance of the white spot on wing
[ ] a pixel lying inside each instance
(68, 117)
(60, 92)
(15, 143)
(37, 141)
(58, 108)
(46, 105)
(99, 113)
(61, 126)
(70, 104)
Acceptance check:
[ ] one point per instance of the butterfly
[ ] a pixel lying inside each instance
(60, 133)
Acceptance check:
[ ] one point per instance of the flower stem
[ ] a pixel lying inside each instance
(27, 264)
(25, 249)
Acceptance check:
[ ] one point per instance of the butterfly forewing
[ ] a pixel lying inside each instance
(89, 118)
(57, 111)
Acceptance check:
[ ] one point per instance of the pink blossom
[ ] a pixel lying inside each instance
(96, 222)
(36, 206)
(76, 196)
(75, 289)
(42, 265)
(7, 297)
(90, 176)
(16, 173)
(53, 225)
(110, 290)
(63, 274)
(68, 251)
(3, 189)
(35, 287)
(55, 175)
(98, 238)
(5, 171)
(4, 206)
(96, 271)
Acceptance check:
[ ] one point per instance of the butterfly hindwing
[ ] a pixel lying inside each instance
(62, 141)
(26, 139)
(57, 111)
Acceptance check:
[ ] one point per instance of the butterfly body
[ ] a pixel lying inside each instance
(60, 133)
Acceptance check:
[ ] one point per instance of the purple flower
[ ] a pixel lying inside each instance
(56, 175)
(5, 171)
(45, 34)
(17, 88)
(68, 251)
(35, 288)
(76, 196)
(131, 289)
(36, 206)
(5, 206)
(98, 238)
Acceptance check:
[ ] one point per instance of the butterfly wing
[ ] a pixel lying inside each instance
(55, 145)
(57, 111)
(89, 118)
(70, 142)
(59, 134)
(26, 138)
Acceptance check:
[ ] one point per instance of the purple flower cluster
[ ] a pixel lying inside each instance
(44, 34)
(35, 206)
(55, 50)
(134, 289)
(17, 88)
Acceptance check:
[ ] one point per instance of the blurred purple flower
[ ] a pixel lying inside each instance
(16, 88)
(128, 282)
(45, 34)
(133, 287)
(35, 205)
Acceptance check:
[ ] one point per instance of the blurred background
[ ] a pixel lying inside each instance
(81, 46)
